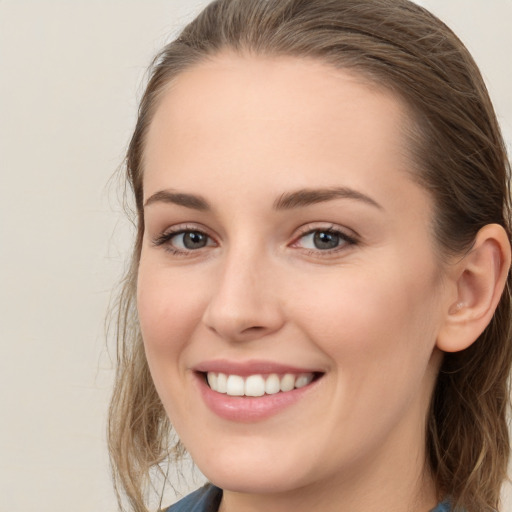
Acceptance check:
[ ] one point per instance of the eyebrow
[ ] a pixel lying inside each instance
(307, 196)
(192, 201)
(287, 201)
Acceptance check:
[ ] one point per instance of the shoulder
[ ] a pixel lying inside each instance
(205, 499)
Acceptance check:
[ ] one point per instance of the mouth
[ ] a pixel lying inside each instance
(257, 385)
(254, 390)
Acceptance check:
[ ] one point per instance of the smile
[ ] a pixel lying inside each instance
(257, 385)
(254, 390)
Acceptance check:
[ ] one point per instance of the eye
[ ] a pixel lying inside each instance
(184, 240)
(324, 240)
(190, 240)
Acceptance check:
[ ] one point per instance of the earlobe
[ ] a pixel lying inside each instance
(479, 278)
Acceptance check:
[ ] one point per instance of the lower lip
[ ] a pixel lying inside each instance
(249, 409)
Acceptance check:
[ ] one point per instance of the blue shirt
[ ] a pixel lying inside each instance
(207, 499)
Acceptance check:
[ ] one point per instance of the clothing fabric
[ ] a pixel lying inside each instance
(207, 499)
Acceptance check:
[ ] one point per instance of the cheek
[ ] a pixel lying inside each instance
(380, 319)
(379, 344)
(169, 306)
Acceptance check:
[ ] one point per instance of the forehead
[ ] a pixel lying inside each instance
(286, 90)
(280, 118)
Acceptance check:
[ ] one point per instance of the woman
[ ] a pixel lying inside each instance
(318, 301)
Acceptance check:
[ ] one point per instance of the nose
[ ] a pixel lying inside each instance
(244, 304)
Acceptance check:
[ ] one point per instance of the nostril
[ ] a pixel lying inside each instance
(256, 328)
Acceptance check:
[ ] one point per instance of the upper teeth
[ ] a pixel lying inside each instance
(257, 385)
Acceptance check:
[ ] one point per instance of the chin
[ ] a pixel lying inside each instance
(250, 482)
(252, 473)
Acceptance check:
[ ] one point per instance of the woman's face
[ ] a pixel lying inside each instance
(287, 247)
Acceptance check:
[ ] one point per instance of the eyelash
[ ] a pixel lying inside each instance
(345, 240)
(165, 240)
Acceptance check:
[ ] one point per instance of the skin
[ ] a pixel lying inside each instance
(240, 132)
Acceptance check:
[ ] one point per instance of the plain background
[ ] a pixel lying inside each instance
(70, 76)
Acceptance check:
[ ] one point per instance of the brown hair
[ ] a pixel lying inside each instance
(459, 157)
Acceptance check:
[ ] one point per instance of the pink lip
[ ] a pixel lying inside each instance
(248, 409)
(247, 368)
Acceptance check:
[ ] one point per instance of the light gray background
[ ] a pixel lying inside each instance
(70, 76)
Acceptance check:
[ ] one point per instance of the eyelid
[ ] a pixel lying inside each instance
(164, 237)
(348, 235)
(311, 227)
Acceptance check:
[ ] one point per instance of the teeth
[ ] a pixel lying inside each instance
(222, 383)
(302, 380)
(235, 386)
(213, 380)
(254, 386)
(287, 382)
(272, 384)
(257, 385)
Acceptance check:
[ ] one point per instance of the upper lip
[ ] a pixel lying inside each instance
(252, 367)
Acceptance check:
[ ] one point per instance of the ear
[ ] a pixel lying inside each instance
(478, 281)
